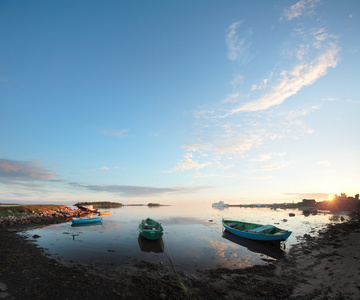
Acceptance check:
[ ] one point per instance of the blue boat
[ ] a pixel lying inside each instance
(87, 220)
(257, 232)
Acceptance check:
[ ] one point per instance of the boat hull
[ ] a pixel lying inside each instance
(256, 232)
(220, 204)
(105, 213)
(87, 208)
(151, 229)
(86, 220)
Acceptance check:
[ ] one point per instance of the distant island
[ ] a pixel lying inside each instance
(101, 204)
(107, 204)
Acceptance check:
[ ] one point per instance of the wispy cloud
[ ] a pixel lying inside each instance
(188, 163)
(290, 82)
(252, 114)
(266, 157)
(23, 171)
(300, 8)
(102, 168)
(269, 162)
(137, 191)
(238, 144)
(324, 163)
(238, 48)
(115, 132)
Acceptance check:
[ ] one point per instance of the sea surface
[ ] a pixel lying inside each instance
(193, 237)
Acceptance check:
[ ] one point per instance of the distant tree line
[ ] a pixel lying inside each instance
(101, 204)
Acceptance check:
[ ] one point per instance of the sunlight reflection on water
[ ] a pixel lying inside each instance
(193, 238)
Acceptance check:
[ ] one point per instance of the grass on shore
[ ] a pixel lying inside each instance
(20, 209)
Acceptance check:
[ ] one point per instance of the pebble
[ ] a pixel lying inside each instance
(3, 293)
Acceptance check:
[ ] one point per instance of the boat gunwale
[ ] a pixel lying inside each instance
(86, 220)
(257, 236)
(151, 233)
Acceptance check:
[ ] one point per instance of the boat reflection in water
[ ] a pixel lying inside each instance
(271, 249)
(85, 224)
(146, 245)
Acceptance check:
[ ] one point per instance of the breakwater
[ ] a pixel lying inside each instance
(46, 216)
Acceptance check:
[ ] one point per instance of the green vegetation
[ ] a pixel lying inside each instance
(101, 204)
(20, 209)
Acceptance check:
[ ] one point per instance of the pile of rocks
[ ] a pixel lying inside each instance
(44, 217)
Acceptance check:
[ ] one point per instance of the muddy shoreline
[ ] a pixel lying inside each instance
(325, 267)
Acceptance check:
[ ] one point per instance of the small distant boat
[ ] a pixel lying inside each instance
(220, 204)
(256, 231)
(86, 220)
(151, 229)
(89, 208)
(105, 213)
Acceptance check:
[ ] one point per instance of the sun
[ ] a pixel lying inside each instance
(331, 196)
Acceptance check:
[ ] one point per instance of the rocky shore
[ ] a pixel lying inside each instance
(323, 267)
(45, 216)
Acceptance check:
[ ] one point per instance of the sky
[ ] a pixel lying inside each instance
(179, 101)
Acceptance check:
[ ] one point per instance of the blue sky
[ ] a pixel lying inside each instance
(179, 101)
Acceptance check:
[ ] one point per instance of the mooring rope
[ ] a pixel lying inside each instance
(182, 285)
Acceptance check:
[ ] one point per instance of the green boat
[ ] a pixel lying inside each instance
(151, 229)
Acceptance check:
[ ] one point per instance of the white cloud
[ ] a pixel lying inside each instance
(234, 46)
(329, 99)
(248, 116)
(300, 8)
(238, 145)
(273, 161)
(262, 85)
(102, 168)
(274, 165)
(189, 164)
(232, 98)
(238, 48)
(291, 81)
(201, 175)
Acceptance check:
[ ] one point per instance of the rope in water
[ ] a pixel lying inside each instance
(182, 285)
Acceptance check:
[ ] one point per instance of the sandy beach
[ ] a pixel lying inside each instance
(322, 267)
(327, 267)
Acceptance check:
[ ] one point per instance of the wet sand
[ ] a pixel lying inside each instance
(325, 267)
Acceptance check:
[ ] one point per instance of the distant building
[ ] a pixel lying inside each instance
(309, 202)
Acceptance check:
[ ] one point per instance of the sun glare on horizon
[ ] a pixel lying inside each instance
(331, 196)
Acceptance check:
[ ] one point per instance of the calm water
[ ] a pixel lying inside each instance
(193, 238)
